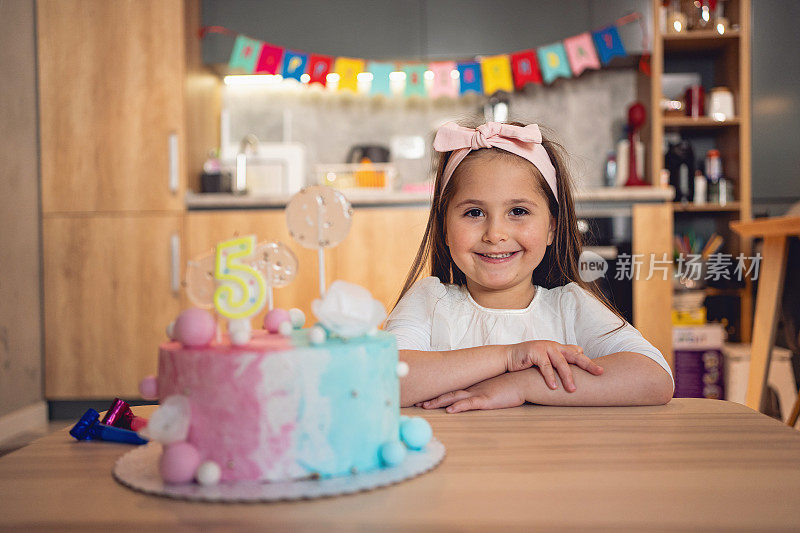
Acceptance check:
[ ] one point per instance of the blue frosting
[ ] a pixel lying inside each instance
(361, 385)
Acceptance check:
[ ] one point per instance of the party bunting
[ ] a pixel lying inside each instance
(553, 62)
(294, 64)
(270, 59)
(525, 68)
(581, 53)
(348, 69)
(443, 82)
(318, 69)
(380, 77)
(245, 53)
(415, 79)
(563, 59)
(608, 44)
(496, 71)
(469, 76)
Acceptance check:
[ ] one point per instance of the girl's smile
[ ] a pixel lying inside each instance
(498, 227)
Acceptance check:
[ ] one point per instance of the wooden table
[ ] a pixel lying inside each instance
(688, 464)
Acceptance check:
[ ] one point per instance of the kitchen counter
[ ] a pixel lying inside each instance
(622, 196)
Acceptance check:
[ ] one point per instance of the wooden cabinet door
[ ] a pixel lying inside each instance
(204, 229)
(110, 290)
(111, 104)
(379, 250)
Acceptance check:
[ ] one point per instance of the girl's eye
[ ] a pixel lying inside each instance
(474, 213)
(519, 211)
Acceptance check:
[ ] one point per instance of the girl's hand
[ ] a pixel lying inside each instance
(503, 391)
(549, 354)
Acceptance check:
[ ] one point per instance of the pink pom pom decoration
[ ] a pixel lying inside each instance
(148, 388)
(195, 327)
(274, 318)
(179, 462)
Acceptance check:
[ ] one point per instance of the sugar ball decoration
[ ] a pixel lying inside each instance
(208, 474)
(392, 453)
(317, 335)
(285, 328)
(239, 331)
(194, 327)
(148, 388)
(297, 317)
(179, 462)
(402, 369)
(273, 319)
(416, 432)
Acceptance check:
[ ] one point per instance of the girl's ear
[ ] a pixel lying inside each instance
(551, 232)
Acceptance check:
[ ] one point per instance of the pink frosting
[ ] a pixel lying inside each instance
(222, 386)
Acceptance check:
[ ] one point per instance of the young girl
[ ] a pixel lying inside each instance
(504, 318)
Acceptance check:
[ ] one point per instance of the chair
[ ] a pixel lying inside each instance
(775, 232)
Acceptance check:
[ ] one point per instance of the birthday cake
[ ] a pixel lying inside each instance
(281, 403)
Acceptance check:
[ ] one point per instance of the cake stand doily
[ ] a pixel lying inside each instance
(138, 470)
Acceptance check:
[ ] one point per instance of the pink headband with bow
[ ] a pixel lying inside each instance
(524, 141)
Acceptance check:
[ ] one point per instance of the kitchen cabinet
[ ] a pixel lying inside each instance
(111, 287)
(110, 103)
(113, 174)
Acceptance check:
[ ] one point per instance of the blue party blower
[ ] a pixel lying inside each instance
(90, 428)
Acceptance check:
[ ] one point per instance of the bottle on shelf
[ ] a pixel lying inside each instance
(699, 188)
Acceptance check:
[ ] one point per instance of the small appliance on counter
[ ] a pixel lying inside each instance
(265, 168)
(375, 153)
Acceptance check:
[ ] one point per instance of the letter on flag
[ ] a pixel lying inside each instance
(581, 53)
(348, 69)
(496, 71)
(245, 53)
(553, 62)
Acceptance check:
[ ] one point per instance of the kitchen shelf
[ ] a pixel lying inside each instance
(679, 207)
(692, 41)
(699, 122)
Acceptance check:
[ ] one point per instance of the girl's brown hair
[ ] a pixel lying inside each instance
(558, 267)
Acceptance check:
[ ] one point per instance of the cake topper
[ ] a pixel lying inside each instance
(277, 263)
(319, 217)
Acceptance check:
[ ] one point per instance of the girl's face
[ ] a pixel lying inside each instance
(497, 228)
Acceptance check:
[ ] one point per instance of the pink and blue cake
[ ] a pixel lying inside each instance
(281, 408)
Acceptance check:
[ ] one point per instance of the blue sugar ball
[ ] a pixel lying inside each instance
(392, 453)
(416, 432)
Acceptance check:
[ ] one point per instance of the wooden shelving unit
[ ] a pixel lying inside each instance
(728, 56)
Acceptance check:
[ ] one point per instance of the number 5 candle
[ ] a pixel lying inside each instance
(241, 290)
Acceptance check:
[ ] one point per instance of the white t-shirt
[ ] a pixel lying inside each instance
(437, 316)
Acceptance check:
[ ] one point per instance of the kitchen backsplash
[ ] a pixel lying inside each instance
(587, 114)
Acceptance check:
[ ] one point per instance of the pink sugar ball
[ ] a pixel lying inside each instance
(148, 388)
(195, 327)
(179, 462)
(274, 318)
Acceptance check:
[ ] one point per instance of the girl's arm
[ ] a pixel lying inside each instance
(628, 379)
(433, 373)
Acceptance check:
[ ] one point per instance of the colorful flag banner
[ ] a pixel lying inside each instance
(553, 62)
(318, 69)
(469, 77)
(415, 79)
(245, 53)
(348, 69)
(443, 82)
(525, 68)
(294, 64)
(496, 71)
(581, 53)
(380, 77)
(609, 44)
(269, 61)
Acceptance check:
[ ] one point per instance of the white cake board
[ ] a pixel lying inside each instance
(138, 470)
